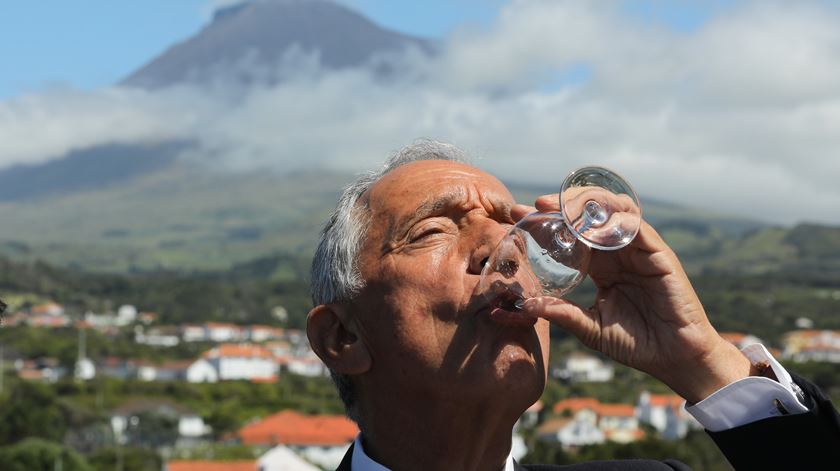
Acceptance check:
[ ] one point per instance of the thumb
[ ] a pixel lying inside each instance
(580, 322)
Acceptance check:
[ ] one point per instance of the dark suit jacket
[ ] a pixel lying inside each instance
(807, 441)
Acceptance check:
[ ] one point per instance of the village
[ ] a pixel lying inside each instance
(291, 440)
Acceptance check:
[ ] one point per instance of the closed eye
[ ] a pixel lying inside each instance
(427, 231)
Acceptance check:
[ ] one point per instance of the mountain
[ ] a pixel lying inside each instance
(249, 41)
(89, 168)
(243, 45)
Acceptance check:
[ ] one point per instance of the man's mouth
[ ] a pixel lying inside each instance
(506, 309)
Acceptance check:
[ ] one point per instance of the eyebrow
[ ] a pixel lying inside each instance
(434, 207)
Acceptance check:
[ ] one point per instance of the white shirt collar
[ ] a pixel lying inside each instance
(362, 462)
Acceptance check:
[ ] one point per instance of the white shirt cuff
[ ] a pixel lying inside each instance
(749, 399)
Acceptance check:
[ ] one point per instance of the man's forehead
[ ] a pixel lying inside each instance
(420, 181)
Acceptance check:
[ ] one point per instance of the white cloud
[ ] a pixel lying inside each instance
(740, 115)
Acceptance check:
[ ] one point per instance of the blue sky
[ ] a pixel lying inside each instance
(92, 43)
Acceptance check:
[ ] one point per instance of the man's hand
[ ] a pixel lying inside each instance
(646, 315)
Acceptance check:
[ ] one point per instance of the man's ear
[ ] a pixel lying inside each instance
(333, 338)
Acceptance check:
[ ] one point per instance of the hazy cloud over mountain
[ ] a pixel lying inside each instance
(741, 114)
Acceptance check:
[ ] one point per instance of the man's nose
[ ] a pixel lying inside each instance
(484, 248)
(479, 259)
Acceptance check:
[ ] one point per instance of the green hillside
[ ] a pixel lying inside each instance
(188, 218)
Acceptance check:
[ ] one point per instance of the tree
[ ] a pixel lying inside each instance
(31, 410)
(129, 459)
(35, 454)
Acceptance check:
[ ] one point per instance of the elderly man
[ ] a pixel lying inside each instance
(436, 378)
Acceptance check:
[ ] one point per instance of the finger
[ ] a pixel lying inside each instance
(546, 203)
(519, 211)
(582, 323)
(648, 239)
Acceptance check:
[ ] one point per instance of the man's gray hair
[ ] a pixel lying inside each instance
(335, 273)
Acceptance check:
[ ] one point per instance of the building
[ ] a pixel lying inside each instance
(45, 369)
(193, 333)
(263, 333)
(281, 458)
(190, 426)
(305, 365)
(618, 423)
(126, 314)
(118, 368)
(666, 413)
(320, 439)
(163, 336)
(570, 432)
(614, 422)
(202, 371)
(582, 367)
(221, 332)
(812, 345)
(47, 309)
(239, 361)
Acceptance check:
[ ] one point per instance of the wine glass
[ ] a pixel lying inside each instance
(548, 253)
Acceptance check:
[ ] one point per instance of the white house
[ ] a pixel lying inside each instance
(281, 458)
(191, 426)
(583, 367)
(193, 333)
(309, 365)
(164, 336)
(812, 345)
(618, 422)
(202, 371)
(242, 361)
(126, 315)
(570, 432)
(224, 332)
(262, 333)
(667, 414)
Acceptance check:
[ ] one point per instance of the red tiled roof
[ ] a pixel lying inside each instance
(552, 426)
(231, 350)
(616, 410)
(666, 400)
(576, 404)
(46, 307)
(292, 428)
(638, 434)
(184, 465)
(221, 325)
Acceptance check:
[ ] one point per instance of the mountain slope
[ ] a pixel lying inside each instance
(247, 43)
